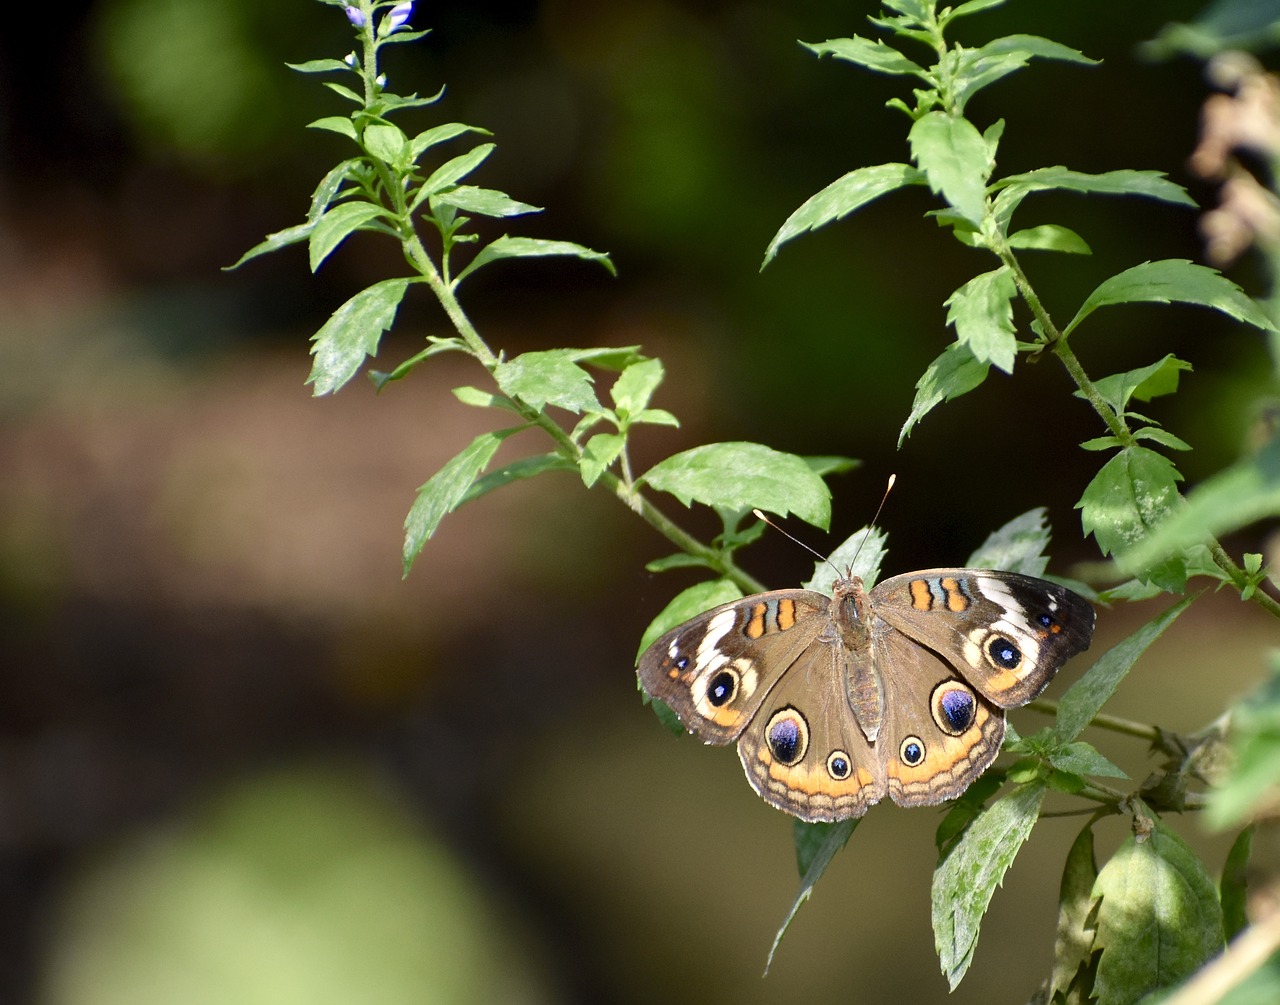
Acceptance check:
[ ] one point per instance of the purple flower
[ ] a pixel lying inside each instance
(355, 15)
(398, 17)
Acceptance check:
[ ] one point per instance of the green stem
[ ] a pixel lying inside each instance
(1101, 720)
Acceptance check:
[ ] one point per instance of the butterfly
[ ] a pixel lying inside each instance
(901, 690)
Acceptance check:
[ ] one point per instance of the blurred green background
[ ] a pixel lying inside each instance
(242, 761)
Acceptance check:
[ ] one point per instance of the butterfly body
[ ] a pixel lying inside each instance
(836, 702)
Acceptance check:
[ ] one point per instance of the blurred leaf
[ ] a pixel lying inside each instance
(1234, 887)
(1128, 497)
(686, 604)
(1169, 281)
(548, 377)
(529, 247)
(816, 845)
(1255, 779)
(1018, 546)
(953, 373)
(336, 224)
(1073, 944)
(352, 333)
(485, 201)
(1158, 916)
(982, 313)
(823, 465)
(1085, 698)
(955, 159)
(965, 881)
(842, 197)
(635, 386)
(444, 491)
(743, 476)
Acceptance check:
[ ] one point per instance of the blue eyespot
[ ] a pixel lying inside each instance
(955, 709)
(838, 765)
(787, 736)
(911, 751)
(722, 688)
(1004, 653)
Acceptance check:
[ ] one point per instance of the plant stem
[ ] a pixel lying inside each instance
(1101, 720)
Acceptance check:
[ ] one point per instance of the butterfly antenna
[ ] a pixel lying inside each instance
(871, 526)
(786, 533)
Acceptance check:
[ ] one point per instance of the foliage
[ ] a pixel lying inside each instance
(1148, 917)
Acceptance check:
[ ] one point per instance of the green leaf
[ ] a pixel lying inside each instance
(1234, 886)
(743, 476)
(1149, 184)
(320, 66)
(956, 161)
(599, 452)
(444, 492)
(978, 69)
(1144, 383)
(974, 7)
(873, 55)
(842, 197)
(345, 92)
(1174, 280)
(830, 464)
(686, 604)
(966, 809)
(1161, 436)
(340, 124)
(453, 171)
(1018, 546)
(1242, 494)
(439, 134)
(953, 373)
(529, 247)
(274, 242)
(656, 417)
(816, 845)
(336, 224)
(1158, 917)
(477, 398)
(982, 313)
(388, 143)
(352, 333)
(1073, 944)
(1255, 779)
(680, 560)
(547, 377)
(329, 186)
(635, 386)
(525, 467)
(1085, 698)
(1128, 497)
(1050, 237)
(868, 546)
(964, 883)
(485, 201)
(1080, 758)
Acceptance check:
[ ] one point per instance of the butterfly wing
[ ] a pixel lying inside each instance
(1006, 634)
(715, 670)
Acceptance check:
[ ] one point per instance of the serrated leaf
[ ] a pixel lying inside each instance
(429, 138)
(597, 454)
(1149, 184)
(978, 69)
(964, 882)
(1129, 496)
(453, 171)
(816, 845)
(485, 201)
(873, 55)
(444, 492)
(1144, 383)
(1085, 698)
(547, 377)
(635, 386)
(1036, 47)
(953, 373)
(743, 476)
(955, 159)
(686, 604)
(1158, 916)
(1018, 546)
(274, 242)
(529, 247)
(352, 333)
(966, 809)
(1073, 942)
(842, 197)
(524, 468)
(860, 554)
(1161, 436)
(1174, 280)
(982, 312)
(1242, 494)
(1050, 237)
(337, 223)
